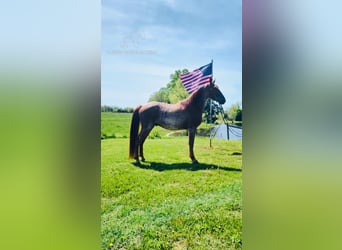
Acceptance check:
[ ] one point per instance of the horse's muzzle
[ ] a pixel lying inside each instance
(222, 101)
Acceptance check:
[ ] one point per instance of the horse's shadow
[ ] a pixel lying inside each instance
(159, 166)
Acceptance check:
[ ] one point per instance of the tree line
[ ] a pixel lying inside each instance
(115, 109)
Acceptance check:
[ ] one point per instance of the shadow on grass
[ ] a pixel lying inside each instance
(158, 166)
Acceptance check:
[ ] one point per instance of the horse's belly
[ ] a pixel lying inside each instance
(172, 123)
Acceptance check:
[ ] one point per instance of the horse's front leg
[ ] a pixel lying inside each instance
(192, 132)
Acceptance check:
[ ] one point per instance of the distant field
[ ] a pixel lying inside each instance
(169, 203)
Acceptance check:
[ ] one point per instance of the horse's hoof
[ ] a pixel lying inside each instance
(195, 161)
(142, 159)
(137, 163)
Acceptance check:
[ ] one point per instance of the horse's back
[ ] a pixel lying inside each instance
(150, 107)
(149, 112)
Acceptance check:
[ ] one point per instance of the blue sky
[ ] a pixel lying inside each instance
(143, 42)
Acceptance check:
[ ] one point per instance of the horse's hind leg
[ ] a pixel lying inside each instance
(136, 150)
(192, 132)
(144, 133)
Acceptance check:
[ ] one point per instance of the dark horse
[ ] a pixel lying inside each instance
(186, 114)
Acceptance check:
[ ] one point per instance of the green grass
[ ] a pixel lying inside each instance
(115, 125)
(167, 202)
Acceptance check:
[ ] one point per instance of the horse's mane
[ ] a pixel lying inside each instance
(196, 98)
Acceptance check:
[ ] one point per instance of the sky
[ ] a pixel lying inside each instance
(144, 42)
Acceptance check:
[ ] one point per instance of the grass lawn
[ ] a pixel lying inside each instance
(169, 203)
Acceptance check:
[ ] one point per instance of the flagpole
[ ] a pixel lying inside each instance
(210, 109)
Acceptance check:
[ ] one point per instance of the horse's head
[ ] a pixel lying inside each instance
(215, 93)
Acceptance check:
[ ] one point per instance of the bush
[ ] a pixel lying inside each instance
(154, 135)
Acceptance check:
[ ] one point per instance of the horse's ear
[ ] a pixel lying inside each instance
(212, 82)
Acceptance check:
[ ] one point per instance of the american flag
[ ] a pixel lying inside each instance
(197, 78)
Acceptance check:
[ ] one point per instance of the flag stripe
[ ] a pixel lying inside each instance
(199, 80)
(192, 80)
(187, 75)
(190, 73)
(197, 85)
(191, 76)
(195, 78)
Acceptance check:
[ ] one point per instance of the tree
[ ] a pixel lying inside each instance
(160, 96)
(174, 90)
(239, 116)
(235, 112)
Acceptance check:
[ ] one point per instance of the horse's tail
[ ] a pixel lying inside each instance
(134, 131)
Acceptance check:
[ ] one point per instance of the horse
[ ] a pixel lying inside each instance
(186, 114)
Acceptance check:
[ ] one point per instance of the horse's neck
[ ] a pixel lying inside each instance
(198, 99)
